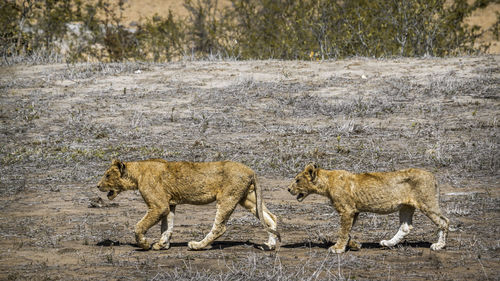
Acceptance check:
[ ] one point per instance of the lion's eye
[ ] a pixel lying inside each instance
(297, 181)
(107, 176)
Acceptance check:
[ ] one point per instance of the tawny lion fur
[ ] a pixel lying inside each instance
(383, 193)
(164, 185)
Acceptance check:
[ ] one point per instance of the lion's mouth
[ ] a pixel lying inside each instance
(111, 194)
(300, 197)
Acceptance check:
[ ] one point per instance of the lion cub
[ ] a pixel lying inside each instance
(164, 185)
(382, 193)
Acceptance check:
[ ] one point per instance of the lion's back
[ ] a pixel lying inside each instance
(383, 192)
(197, 174)
(214, 169)
(203, 182)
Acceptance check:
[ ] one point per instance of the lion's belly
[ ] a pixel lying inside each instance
(381, 208)
(194, 195)
(376, 201)
(201, 200)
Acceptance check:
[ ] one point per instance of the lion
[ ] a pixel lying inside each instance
(164, 185)
(381, 192)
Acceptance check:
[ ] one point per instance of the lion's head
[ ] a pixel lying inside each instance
(303, 183)
(113, 180)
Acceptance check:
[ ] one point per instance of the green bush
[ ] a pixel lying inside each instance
(10, 35)
(30, 26)
(328, 29)
(161, 39)
(247, 29)
(102, 35)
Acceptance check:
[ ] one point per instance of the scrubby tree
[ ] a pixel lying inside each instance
(245, 29)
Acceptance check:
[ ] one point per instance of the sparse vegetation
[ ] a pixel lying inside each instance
(35, 31)
(62, 124)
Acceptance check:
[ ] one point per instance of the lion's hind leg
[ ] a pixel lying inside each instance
(224, 210)
(270, 219)
(405, 220)
(441, 221)
(429, 205)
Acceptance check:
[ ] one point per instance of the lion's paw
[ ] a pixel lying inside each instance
(437, 246)
(157, 246)
(354, 246)
(193, 245)
(336, 250)
(270, 246)
(267, 247)
(386, 243)
(144, 245)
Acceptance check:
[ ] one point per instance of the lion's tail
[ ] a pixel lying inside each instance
(260, 208)
(430, 178)
(438, 191)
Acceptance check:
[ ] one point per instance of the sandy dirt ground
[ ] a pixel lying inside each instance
(60, 126)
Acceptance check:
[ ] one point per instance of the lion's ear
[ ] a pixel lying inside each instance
(312, 170)
(120, 165)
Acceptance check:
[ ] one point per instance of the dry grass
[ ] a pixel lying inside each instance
(62, 124)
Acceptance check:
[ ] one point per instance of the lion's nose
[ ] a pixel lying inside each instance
(288, 189)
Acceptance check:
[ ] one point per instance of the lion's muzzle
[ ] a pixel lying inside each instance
(111, 192)
(300, 195)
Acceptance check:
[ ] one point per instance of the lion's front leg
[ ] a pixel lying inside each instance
(346, 221)
(152, 217)
(167, 226)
